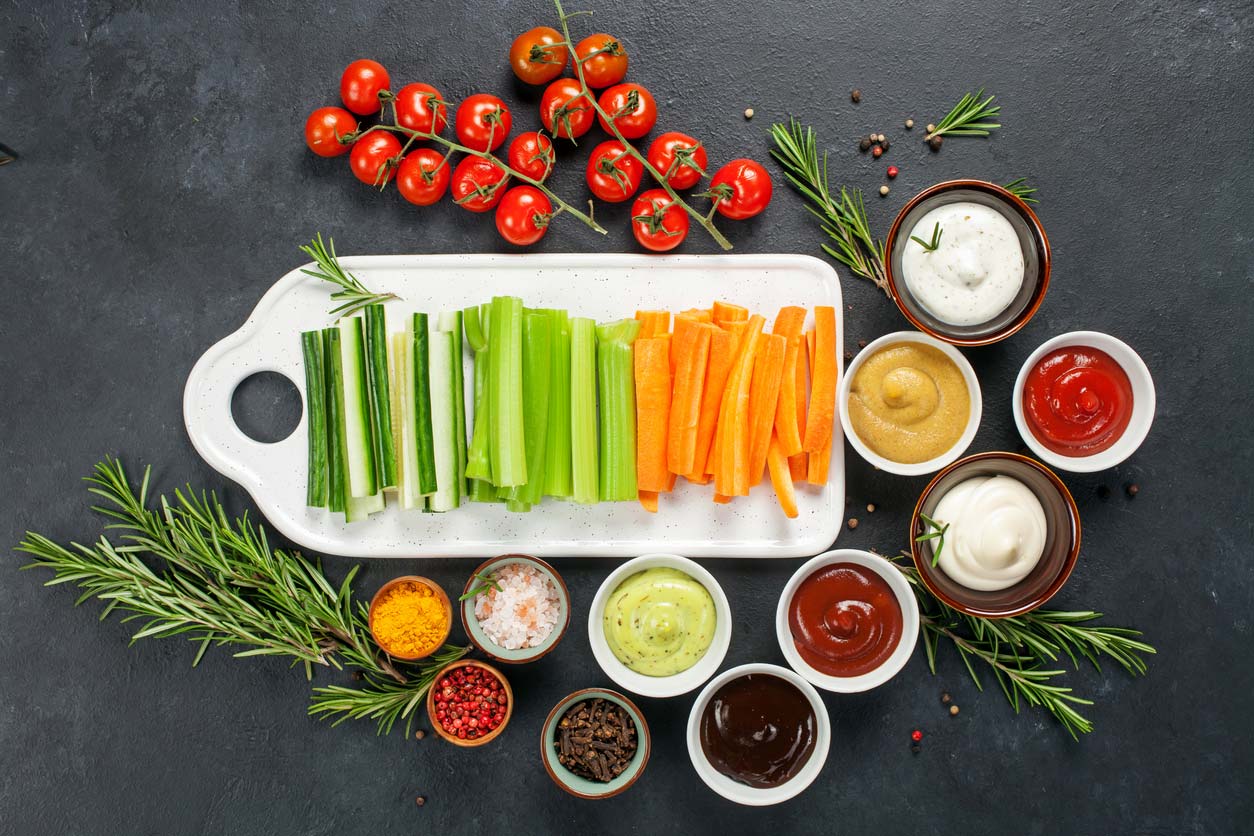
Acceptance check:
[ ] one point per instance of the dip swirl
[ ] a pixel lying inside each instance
(996, 532)
(1077, 401)
(659, 622)
(908, 402)
(845, 620)
(759, 730)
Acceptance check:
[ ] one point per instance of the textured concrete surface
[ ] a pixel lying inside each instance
(163, 185)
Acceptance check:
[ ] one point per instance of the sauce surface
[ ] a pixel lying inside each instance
(659, 621)
(908, 402)
(974, 274)
(1077, 401)
(996, 535)
(845, 620)
(758, 729)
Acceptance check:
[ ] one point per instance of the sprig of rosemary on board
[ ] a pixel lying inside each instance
(486, 582)
(183, 568)
(966, 117)
(1019, 188)
(353, 294)
(930, 246)
(1023, 651)
(843, 218)
(935, 531)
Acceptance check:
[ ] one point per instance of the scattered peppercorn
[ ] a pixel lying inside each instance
(884, 144)
(916, 735)
(953, 711)
(870, 507)
(880, 138)
(935, 143)
(893, 171)
(883, 191)
(420, 800)
(853, 523)
(420, 734)
(909, 124)
(356, 676)
(876, 151)
(945, 698)
(864, 145)
(915, 748)
(861, 343)
(855, 96)
(848, 355)
(930, 127)
(1133, 490)
(748, 113)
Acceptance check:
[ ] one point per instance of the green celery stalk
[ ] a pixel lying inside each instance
(583, 410)
(557, 475)
(380, 399)
(617, 391)
(316, 426)
(337, 467)
(479, 454)
(536, 350)
(505, 408)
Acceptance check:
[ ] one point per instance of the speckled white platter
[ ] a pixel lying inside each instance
(600, 286)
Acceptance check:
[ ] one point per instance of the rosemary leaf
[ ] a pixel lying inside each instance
(352, 295)
(966, 117)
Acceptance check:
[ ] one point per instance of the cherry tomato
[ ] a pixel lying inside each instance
(658, 223)
(680, 155)
(360, 86)
(535, 59)
(564, 110)
(532, 154)
(323, 130)
(478, 185)
(631, 108)
(523, 216)
(483, 122)
(613, 175)
(609, 64)
(740, 189)
(420, 107)
(422, 177)
(372, 158)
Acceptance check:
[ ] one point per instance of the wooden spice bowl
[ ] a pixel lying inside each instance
(454, 739)
(440, 594)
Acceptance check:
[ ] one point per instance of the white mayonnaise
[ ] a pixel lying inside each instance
(974, 274)
(996, 532)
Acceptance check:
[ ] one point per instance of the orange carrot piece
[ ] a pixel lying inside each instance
(768, 371)
(648, 499)
(690, 353)
(722, 500)
(653, 323)
(699, 314)
(703, 479)
(722, 348)
(731, 470)
(781, 478)
(653, 406)
(823, 381)
(799, 463)
(817, 463)
(788, 325)
(725, 312)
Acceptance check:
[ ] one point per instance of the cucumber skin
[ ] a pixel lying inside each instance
(422, 406)
(337, 466)
(377, 387)
(316, 426)
(357, 432)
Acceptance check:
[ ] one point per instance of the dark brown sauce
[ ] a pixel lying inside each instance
(758, 729)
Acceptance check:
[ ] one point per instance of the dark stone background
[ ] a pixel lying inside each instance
(163, 185)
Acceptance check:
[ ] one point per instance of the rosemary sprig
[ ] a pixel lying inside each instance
(934, 243)
(1022, 651)
(965, 118)
(352, 292)
(1019, 188)
(843, 218)
(182, 567)
(486, 582)
(936, 532)
(382, 700)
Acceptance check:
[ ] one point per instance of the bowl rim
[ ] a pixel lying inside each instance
(743, 793)
(1043, 251)
(974, 416)
(439, 593)
(661, 687)
(642, 731)
(467, 611)
(1144, 403)
(1064, 572)
(906, 600)
(490, 736)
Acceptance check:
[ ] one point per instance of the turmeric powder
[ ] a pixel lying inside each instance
(409, 620)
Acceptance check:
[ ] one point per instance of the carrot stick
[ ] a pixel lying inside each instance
(699, 314)
(731, 471)
(768, 370)
(788, 325)
(817, 463)
(648, 499)
(653, 405)
(823, 381)
(653, 323)
(725, 312)
(781, 478)
(722, 346)
(722, 500)
(690, 353)
(799, 463)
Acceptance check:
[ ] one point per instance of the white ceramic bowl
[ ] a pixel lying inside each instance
(675, 684)
(1144, 402)
(742, 793)
(973, 417)
(909, 622)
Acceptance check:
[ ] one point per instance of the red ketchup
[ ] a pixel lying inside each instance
(1077, 401)
(845, 620)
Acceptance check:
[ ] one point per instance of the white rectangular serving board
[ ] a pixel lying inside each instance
(601, 286)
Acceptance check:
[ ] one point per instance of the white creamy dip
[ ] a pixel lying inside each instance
(974, 274)
(996, 532)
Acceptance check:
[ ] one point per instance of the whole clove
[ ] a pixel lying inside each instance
(596, 739)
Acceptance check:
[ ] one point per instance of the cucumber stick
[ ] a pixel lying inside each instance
(451, 321)
(333, 387)
(380, 401)
(583, 410)
(359, 445)
(316, 426)
(443, 423)
(421, 334)
(407, 448)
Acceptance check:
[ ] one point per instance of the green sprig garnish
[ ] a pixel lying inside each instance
(966, 117)
(935, 531)
(1019, 188)
(487, 582)
(352, 292)
(935, 242)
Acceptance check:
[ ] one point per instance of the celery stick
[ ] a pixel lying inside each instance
(617, 391)
(337, 473)
(422, 405)
(451, 321)
(557, 447)
(475, 336)
(537, 347)
(583, 410)
(480, 489)
(505, 409)
(379, 401)
(316, 412)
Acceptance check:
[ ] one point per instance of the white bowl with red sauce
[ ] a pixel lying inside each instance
(872, 667)
(1140, 412)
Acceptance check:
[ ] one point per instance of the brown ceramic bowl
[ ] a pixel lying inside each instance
(439, 593)
(577, 785)
(523, 654)
(1062, 537)
(479, 741)
(1032, 239)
